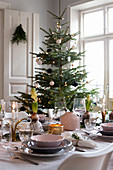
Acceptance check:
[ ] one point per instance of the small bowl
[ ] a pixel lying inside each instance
(47, 140)
(107, 126)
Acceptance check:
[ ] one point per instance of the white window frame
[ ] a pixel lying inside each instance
(80, 10)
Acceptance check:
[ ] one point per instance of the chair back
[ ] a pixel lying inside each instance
(88, 161)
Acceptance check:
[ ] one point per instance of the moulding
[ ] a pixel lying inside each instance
(4, 5)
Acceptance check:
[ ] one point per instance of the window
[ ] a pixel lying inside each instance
(96, 38)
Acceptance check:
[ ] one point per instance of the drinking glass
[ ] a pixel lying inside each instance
(90, 124)
(25, 132)
(79, 107)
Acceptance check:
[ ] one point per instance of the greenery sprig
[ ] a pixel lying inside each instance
(19, 35)
(75, 136)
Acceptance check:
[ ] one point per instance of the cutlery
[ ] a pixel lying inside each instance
(14, 156)
(80, 150)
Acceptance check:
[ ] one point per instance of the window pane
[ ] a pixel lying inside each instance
(94, 61)
(93, 23)
(110, 19)
(111, 69)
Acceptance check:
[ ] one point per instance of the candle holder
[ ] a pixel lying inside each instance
(11, 115)
(56, 129)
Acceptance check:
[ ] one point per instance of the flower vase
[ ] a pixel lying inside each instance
(70, 121)
(35, 125)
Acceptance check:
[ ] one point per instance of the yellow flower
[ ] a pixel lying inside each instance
(88, 98)
(34, 95)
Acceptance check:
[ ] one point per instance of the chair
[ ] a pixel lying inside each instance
(88, 161)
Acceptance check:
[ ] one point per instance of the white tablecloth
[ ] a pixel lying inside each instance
(52, 163)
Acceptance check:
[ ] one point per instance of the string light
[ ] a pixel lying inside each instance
(65, 84)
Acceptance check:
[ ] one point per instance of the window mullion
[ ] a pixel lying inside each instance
(105, 20)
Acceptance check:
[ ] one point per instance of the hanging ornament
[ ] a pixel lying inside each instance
(51, 83)
(49, 70)
(72, 65)
(73, 47)
(58, 41)
(46, 38)
(49, 50)
(39, 62)
(75, 84)
(36, 84)
(59, 26)
(65, 84)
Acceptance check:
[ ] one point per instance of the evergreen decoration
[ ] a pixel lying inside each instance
(19, 35)
(66, 79)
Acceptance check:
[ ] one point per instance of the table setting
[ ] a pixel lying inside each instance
(47, 148)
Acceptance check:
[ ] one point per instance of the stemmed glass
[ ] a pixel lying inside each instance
(79, 107)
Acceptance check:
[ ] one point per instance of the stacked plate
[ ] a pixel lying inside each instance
(107, 129)
(47, 145)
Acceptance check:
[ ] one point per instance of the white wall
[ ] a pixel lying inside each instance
(35, 6)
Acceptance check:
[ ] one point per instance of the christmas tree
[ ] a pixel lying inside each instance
(58, 81)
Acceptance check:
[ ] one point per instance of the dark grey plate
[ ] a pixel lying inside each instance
(107, 133)
(51, 150)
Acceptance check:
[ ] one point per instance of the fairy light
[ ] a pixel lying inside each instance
(65, 84)
(53, 62)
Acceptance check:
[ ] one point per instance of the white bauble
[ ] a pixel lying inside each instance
(51, 83)
(39, 62)
(58, 41)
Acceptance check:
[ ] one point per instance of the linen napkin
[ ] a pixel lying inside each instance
(82, 141)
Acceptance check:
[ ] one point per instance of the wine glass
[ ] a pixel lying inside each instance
(79, 107)
(90, 124)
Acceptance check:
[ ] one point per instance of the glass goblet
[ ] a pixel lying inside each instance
(90, 124)
(25, 131)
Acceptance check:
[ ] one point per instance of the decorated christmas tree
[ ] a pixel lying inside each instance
(57, 80)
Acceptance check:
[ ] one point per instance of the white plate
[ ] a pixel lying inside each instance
(26, 151)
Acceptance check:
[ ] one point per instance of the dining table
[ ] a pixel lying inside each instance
(44, 163)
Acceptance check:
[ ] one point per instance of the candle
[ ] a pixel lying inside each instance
(13, 114)
(13, 110)
(103, 104)
(56, 129)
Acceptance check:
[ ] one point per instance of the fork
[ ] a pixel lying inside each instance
(14, 156)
